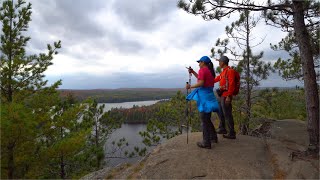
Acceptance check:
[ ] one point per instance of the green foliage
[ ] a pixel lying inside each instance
(272, 104)
(62, 139)
(42, 135)
(26, 101)
(252, 70)
(152, 134)
(168, 121)
(17, 137)
(19, 71)
(281, 104)
(102, 126)
(291, 68)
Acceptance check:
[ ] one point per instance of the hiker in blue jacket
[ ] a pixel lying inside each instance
(206, 100)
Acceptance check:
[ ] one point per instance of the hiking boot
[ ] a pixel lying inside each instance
(202, 145)
(228, 136)
(221, 131)
(215, 140)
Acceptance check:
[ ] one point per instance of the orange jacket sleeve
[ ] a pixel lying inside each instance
(217, 79)
(231, 82)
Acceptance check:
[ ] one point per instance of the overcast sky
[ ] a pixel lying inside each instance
(126, 43)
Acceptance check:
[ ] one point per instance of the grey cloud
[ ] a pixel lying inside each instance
(202, 34)
(274, 80)
(120, 43)
(144, 15)
(120, 81)
(274, 55)
(68, 18)
(69, 21)
(72, 21)
(198, 35)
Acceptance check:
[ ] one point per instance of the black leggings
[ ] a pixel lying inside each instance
(208, 130)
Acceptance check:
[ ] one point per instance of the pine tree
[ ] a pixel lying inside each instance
(291, 68)
(63, 139)
(252, 69)
(22, 84)
(102, 127)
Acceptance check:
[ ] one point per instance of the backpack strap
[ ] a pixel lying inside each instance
(227, 81)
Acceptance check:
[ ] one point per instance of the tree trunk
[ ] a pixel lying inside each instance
(10, 161)
(10, 91)
(309, 75)
(244, 128)
(62, 170)
(97, 141)
(62, 164)
(248, 68)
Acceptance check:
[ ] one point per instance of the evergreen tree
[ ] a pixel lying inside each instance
(296, 16)
(63, 140)
(252, 69)
(102, 127)
(20, 73)
(22, 84)
(168, 120)
(291, 68)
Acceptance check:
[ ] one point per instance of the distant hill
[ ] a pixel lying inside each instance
(122, 94)
(131, 94)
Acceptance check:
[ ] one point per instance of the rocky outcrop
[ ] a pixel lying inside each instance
(247, 157)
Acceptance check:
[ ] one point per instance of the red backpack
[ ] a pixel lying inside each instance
(237, 82)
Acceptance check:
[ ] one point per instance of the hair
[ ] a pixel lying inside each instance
(210, 66)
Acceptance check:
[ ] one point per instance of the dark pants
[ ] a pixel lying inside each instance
(227, 112)
(222, 123)
(208, 129)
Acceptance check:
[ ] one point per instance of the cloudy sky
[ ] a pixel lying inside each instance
(125, 43)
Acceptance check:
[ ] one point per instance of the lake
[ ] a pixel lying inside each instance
(128, 131)
(109, 106)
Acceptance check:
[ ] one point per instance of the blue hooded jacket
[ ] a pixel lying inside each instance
(206, 100)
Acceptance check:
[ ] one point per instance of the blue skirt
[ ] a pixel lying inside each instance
(206, 100)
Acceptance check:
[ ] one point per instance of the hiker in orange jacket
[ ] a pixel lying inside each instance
(226, 89)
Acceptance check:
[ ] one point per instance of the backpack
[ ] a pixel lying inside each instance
(237, 81)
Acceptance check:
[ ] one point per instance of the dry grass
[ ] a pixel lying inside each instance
(277, 172)
(115, 171)
(135, 172)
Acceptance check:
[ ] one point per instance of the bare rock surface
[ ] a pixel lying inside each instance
(246, 157)
(229, 159)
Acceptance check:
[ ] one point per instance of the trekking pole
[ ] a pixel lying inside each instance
(188, 120)
(187, 112)
(182, 125)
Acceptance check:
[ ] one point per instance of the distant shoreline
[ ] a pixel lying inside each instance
(155, 89)
(121, 95)
(134, 94)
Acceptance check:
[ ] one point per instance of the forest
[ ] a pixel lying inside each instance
(271, 103)
(49, 133)
(121, 95)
